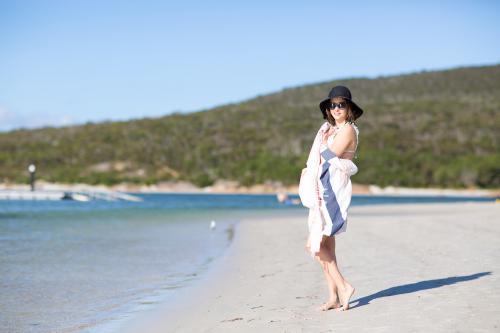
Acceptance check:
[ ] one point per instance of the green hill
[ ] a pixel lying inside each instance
(436, 128)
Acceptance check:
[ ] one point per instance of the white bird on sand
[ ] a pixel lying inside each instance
(212, 225)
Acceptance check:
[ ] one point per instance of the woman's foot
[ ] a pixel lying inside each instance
(345, 296)
(330, 305)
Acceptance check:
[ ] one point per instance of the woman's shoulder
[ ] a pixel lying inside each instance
(345, 134)
(354, 127)
(350, 130)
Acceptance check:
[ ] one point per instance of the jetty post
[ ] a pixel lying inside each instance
(32, 169)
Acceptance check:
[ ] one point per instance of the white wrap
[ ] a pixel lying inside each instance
(326, 190)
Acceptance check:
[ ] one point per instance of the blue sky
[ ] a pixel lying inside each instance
(69, 62)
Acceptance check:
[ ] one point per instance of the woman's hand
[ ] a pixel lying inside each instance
(326, 135)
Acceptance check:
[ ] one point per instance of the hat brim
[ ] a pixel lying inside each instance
(356, 110)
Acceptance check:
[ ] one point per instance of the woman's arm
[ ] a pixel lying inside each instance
(343, 140)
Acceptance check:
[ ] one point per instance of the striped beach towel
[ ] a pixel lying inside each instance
(329, 200)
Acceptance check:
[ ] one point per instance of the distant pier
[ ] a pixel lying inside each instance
(80, 195)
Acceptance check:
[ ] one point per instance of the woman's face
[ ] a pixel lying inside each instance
(339, 113)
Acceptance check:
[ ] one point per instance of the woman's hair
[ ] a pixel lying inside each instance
(349, 117)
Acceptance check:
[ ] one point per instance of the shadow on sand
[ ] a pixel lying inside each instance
(413, 287)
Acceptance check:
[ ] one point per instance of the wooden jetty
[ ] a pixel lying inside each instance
(80, 195)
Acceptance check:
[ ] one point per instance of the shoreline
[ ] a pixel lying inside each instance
(225, 187)
(265, 281)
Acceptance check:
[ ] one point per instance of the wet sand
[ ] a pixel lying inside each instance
(425, 267)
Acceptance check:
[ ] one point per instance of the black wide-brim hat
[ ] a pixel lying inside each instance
(345, 93)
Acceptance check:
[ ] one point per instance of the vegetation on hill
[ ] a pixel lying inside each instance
(436, 128)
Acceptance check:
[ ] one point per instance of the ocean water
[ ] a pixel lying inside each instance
(77, 266)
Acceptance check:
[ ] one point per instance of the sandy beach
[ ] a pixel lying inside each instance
(426, 267)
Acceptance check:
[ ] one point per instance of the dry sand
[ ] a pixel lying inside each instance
(416, 268)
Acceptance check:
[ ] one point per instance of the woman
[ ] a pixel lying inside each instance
(331, 158)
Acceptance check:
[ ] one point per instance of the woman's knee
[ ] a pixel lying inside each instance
(324, 255)
(329, 242)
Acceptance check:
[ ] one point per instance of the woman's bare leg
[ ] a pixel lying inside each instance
(333, 301)
(344, 288)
